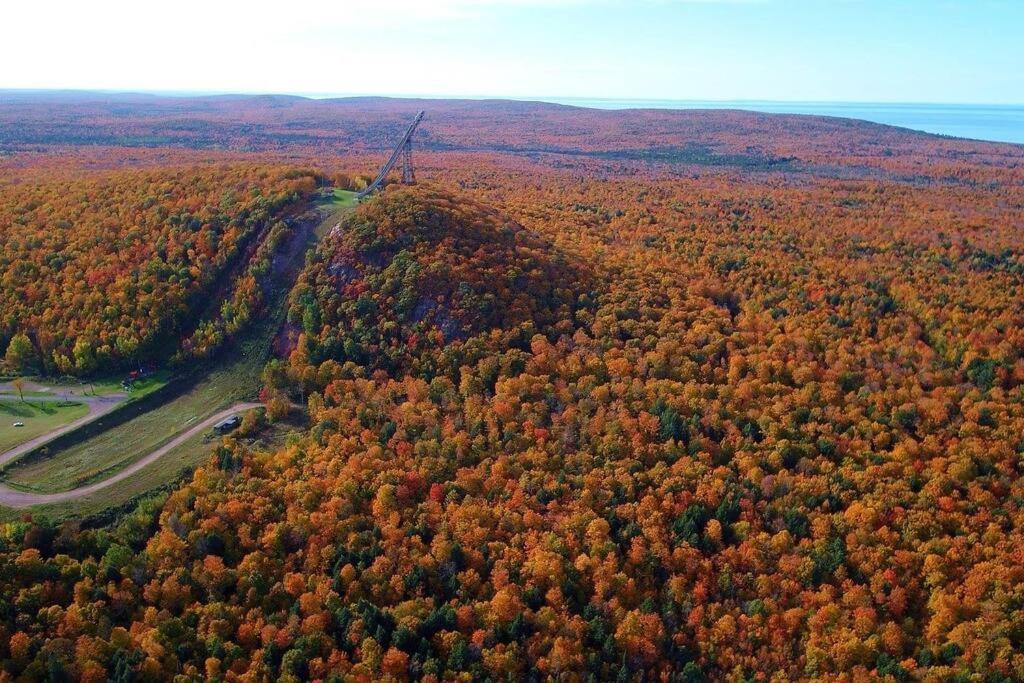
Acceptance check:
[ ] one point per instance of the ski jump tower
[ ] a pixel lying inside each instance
(403, 149)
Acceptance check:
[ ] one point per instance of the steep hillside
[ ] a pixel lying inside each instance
(417, 281)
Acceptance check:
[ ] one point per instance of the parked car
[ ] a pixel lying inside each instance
(227, 424)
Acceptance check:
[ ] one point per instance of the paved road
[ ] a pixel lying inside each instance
(20, 499)
(98, 407)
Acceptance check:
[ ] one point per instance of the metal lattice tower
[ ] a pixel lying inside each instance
(403, 149)
(408, 175)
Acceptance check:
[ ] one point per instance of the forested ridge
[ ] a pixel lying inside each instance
(601, 419)
(105, 271)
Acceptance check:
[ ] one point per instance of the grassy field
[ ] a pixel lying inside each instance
(339, 199)
(112, 385)
(39, 417)
(139, 388)
(100, 456)
(165, 473)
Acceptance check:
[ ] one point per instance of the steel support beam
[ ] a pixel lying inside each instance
(403, 149)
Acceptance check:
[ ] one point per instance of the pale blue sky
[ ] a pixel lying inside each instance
(820, 50)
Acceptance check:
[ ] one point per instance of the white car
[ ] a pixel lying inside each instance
(19, 424)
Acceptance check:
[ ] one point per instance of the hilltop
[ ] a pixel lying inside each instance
(418, 271)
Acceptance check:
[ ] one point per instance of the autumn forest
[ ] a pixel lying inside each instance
(606, 395)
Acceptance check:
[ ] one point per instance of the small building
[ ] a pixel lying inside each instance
(227, 424)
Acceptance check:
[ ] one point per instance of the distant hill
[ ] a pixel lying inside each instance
(279, 123)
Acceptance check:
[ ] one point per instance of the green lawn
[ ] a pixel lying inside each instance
(39, 417)
(147, 385)
(339, 199)
(333, 214)
(102, 455)
(112, 385)
(101, 386)
(163, 473)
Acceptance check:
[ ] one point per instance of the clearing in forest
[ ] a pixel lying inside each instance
(37, 417)
(233, 378)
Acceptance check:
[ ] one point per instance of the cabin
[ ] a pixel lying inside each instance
(227, 424)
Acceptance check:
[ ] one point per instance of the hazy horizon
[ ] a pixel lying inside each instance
(551, 99)
(978, 121)
(713, 50)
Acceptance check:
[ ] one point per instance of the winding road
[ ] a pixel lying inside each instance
(21, 499)
(98, 407)
(101, 405)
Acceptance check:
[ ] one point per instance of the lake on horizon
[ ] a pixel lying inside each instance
(996, 123)
(989, 122)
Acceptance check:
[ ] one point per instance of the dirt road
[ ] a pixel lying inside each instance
(20, 499)
(98, 407)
